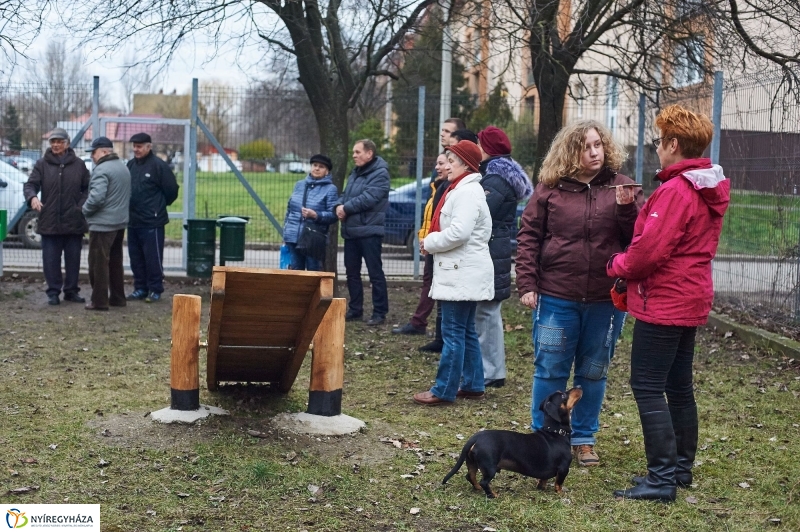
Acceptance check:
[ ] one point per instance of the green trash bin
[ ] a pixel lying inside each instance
(3, 224)
(231, 238)
(201, 239)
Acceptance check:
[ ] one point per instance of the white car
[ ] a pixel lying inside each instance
(22, 221)
(24, 164)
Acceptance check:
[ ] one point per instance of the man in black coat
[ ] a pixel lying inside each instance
(153, 187)
(362, 212)
(63, 180)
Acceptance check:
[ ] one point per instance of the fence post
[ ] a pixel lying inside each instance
(447, 66)
(420, 153)
(190, 156)
(96, 108)
(640, 145)
(716, 117)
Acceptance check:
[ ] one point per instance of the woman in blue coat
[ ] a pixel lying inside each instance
(312, 201)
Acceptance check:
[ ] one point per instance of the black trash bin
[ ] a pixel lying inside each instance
(231, 238)
(201, 239)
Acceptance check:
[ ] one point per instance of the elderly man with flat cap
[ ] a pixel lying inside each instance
(63, 180)
(106, 210)
(153, 187)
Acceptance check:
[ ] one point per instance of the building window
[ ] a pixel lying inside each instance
(530, 105)
(689, 62)
(580, 97)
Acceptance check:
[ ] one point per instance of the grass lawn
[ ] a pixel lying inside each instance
(76, 387)
(755, 224)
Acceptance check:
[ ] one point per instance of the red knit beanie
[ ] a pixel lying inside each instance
(494, 141)
(469, 152)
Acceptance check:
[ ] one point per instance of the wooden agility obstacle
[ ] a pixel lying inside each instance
(262, 322)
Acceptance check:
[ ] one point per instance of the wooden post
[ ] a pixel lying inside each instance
(185, 370)
(327, 363)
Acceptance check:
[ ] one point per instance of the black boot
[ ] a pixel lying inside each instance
(437, 344)
(659, 446)
(685, 426)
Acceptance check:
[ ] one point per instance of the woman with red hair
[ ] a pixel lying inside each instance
(670, 291)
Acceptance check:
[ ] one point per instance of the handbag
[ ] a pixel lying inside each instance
(313, 238)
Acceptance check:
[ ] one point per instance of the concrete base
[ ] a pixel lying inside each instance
(321, 425)
(168, 415)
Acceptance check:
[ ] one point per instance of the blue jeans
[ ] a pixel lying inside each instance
(461, 362)
(566, 333)
(302, 262)
(146, 254)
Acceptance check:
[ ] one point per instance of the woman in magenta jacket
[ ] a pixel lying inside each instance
(670, 291)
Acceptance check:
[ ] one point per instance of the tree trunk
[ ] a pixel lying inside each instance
(552, 83)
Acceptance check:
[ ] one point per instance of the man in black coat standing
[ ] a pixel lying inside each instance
(363, 215)
(153, 187)
(63, 180)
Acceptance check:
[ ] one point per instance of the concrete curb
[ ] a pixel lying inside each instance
(755, 336)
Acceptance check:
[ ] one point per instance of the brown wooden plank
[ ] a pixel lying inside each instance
(327, 363)
(259, 333)
(214, 322)
(316, 311)
(236, 270)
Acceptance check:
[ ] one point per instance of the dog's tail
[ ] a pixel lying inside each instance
(460, 462)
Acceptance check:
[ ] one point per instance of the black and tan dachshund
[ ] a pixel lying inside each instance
(543, 454)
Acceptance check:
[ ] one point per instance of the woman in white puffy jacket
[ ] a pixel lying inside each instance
(463, 274)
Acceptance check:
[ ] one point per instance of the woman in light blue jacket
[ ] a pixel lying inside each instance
(312, 201)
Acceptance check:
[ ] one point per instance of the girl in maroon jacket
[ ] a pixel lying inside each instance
(670, 290)
(581, 213)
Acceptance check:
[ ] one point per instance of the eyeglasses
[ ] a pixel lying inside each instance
(657, 141)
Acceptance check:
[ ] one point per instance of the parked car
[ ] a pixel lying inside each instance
(87, 160)
(401, 212)
(22, 221)
(297, 167)
(23, 163)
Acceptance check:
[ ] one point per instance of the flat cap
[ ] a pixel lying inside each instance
(100, 142)
(141, 138)
(58, 133)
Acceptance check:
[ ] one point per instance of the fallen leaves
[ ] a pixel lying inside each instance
(414, 511)
(22, 490)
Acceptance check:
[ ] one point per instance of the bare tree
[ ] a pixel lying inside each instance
(138, 77)
(337, 47)
(20, 23)
(652, 46)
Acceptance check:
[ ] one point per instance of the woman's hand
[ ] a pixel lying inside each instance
(308, 213)
(340, 212)
(625, 195)
(422, 248)
(36, 205)
(530, 299)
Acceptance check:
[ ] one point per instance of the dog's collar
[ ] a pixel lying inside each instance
(560, 432)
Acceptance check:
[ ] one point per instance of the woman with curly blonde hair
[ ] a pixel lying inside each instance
(581, 213)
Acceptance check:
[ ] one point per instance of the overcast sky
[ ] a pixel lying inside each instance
(195, 59)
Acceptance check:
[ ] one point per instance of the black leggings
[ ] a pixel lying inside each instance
(661, 362)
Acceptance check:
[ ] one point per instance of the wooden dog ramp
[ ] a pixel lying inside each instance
(262, 322)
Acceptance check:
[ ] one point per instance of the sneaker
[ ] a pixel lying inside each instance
(408, 329)
(137, 295)
(585, 455)
(375, 320)
(152, 297)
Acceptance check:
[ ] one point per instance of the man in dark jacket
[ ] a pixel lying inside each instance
(63, 180)
(505, 184)
(363, 215)
(153, 187)
(106, 210)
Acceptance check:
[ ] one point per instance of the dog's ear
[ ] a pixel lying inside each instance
(550, 407)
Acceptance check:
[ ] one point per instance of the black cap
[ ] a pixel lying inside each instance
(100, 142)
(141, 138)
(322, 159)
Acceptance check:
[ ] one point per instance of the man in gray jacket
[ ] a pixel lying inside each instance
(106, 211)
(363, 215)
